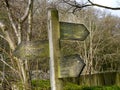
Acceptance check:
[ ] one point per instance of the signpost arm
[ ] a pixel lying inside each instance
(54, 36)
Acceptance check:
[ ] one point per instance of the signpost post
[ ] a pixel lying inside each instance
(63, 66)
(54, 37)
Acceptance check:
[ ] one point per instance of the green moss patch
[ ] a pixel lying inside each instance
(41, 84)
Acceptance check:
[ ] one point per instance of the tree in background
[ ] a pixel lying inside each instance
(21, 17)
(13, 33)
(17, 21)
(103, 29)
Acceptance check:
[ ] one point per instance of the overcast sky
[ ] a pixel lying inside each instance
(111, 3)
(107, 2)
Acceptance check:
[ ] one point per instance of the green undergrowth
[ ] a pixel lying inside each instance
(45, 85)
(41, 84)
(71, 86)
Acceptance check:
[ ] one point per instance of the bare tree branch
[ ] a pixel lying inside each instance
(102, 6)
(77, 5)
(1, 59)
(11, 20)
(90, 3)
(30, 19)
(2, 26)
(24, 17)
(10, 16)
(6, 36)
(21, 20)
(4, 78)
(3, 37)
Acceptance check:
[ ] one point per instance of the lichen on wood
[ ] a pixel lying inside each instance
(32, 50)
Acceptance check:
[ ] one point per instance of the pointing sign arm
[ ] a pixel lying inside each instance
(72, 31)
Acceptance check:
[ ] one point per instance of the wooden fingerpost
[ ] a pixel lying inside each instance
(54, 48)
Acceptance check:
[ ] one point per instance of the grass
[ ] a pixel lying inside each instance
(45, 85)
(71, 86)
(41, 84)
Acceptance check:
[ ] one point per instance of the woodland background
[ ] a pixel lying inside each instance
(24, 21)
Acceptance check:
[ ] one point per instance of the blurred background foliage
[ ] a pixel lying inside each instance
(100, 51)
